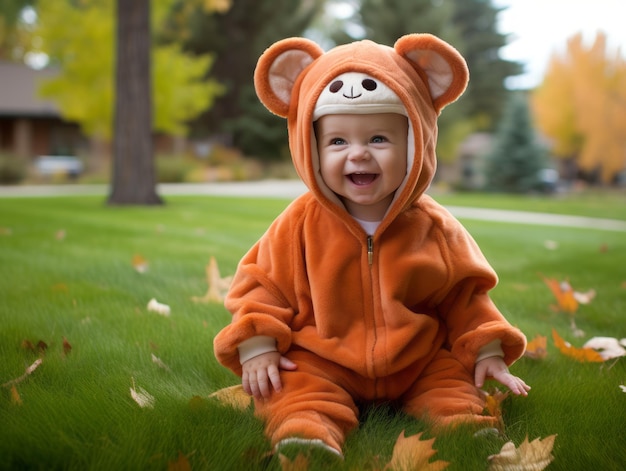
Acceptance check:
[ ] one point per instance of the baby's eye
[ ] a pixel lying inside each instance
(337, 141)
(379, 139)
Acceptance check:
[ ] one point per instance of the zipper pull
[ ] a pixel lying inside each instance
(370, 250)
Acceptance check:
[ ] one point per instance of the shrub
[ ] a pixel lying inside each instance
(12, 169)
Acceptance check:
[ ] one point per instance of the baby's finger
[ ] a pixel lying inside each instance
(274, 377)
(245, 382)
(263, 383)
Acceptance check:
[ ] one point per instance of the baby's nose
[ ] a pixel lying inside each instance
(359, 152)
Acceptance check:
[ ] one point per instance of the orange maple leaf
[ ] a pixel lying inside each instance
(535, 455)
(140, 264)
(564, 294)
(412, 454)
(583, 355)
(537, 348)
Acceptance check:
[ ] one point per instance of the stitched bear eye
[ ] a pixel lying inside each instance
(369, 84)
(335, 86)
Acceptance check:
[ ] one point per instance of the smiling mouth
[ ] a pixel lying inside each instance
(362, 179)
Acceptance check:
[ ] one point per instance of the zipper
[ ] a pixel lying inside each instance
(370, 250)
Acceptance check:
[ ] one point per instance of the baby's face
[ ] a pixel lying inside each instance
(363, 159)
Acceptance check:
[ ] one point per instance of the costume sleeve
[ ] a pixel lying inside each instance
(472, 319)
(261, 298)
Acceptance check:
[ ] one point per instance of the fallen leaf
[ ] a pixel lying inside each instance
(156, 360)
(585, 298)
(6, 231)
(181, 464)
(299, 463)
(622, 387)
(493, 405)
(217, 286)
(67, 347)
(60, 234)
(551, 244)
(233, 396)
(15, 396)
(533, 456)
(563, 293)
(582, 355)
(29, 370)
(537, 348)
(412, 454)
(162, 309)
(607, 347)
(42, 346)
(142, 397)
(28, 345)
(140, 264)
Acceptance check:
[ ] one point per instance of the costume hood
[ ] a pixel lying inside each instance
(420, 75)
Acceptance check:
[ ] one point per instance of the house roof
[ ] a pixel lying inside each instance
(18, 91)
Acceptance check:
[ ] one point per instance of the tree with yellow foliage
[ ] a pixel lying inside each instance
(581, 107)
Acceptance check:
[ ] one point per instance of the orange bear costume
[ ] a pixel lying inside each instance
(400, 315)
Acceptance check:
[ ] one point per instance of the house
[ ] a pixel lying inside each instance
(29, 125)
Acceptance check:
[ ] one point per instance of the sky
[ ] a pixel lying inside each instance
(539, 28)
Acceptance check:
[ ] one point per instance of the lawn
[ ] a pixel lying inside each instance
(68, 282)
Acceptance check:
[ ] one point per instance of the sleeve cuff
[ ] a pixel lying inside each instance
(492, 349)
(256, 346)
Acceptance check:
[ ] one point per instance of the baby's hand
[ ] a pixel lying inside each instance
(261, 372)
(497, 369)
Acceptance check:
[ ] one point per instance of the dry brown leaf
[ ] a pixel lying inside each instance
(159, 308)
(29, 370)
(60, 234)
(300, 463)
(533, 456)
(412, 454)
(15, 396)
(181, 464)
(583, 355)
(67, 347)
(537, 348)
(157, 361)
(140, 264)
(217, 286)
(142, 397)
(233, 396)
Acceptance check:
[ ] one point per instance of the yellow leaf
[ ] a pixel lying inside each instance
(493, 404)
(15, 396)
(233, 396)
(533, 456)
(412, 454)
(583, 355)
(217, 286)
(537, 348)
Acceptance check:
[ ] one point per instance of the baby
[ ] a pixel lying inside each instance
(364, 289)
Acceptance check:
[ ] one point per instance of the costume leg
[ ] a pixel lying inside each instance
(311, 405)
(445, 394)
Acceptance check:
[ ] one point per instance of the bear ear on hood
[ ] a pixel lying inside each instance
(278, 69)
(445, 69)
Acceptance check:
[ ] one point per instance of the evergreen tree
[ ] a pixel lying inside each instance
(514, 165)
(237, 37)
(480, 43)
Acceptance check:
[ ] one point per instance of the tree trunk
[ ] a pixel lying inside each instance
(134, 180)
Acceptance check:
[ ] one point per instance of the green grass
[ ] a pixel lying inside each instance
(76, 411)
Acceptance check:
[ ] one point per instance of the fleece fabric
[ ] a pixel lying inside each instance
(367, 309)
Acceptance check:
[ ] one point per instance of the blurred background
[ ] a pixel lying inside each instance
(545, 110)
